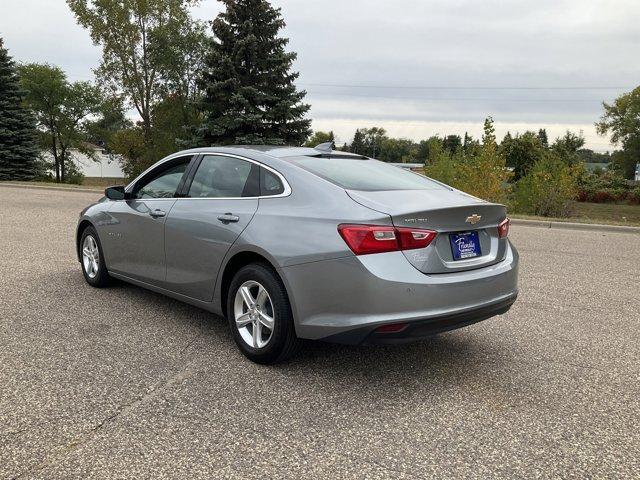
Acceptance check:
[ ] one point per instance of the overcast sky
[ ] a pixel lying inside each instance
(416, 67)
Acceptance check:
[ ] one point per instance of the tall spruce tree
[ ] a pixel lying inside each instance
(249, 91)
(18, 136)
(542, 136)
(358, 145)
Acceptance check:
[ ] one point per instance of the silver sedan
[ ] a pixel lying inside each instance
(303, 243)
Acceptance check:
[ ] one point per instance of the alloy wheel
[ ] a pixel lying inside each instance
(254, 314)
(90, 256)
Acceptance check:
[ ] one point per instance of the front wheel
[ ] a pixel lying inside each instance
(259, 315)
(93, 266)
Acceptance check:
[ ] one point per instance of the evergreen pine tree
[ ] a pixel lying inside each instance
(489, 135)
(358, 145)
(542, 136)
(249, 92)
(18, 147)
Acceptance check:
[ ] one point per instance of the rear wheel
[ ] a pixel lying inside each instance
(260, 316)
(92, 259)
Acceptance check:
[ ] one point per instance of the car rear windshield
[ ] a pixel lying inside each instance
(368, 175)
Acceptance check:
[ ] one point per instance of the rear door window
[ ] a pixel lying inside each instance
(225, 177)
(270, 184)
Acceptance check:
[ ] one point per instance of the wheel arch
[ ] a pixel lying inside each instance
(82, 226)
(235, 263)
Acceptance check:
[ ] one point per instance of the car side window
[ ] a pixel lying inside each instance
(270, 184)
(224, 177)
(164, 184)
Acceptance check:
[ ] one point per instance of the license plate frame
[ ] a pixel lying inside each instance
(465, 245)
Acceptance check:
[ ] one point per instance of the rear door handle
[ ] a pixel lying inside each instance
(228, 218)
(157, 213)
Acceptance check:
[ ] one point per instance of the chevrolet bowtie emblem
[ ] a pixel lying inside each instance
(473, 219)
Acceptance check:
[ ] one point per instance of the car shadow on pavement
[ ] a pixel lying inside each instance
(440, 360)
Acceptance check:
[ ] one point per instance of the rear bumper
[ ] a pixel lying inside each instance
(422, 328)
(344, 300)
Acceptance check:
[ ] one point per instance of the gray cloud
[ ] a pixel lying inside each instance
(361, 59)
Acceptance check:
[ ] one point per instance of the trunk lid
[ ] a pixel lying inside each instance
(446, 212)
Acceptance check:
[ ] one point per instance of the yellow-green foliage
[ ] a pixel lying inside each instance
(548, 189)
(480, 172)
(442, 166)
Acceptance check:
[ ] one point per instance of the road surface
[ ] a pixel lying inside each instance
(125, 383)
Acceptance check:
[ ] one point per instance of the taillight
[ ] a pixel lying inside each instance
(411, 238)
(503, 228)
(366, 239)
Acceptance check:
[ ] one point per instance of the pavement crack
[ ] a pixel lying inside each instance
(120, 410)
(14, 432)
(191, 342)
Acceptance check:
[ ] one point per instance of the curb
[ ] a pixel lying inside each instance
(576, 226)
(49, 187)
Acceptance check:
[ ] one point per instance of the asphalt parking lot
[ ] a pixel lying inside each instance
(124, 383)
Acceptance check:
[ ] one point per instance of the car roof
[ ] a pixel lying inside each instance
(277, 151)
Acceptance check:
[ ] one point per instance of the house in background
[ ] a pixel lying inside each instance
(105, 165)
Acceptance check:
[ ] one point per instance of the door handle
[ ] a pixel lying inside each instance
(228, 218)
(157, 213)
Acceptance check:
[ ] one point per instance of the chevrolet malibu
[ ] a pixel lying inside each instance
(303, 243)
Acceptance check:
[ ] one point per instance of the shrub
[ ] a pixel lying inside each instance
(602, 196)
(548, 189)
(481, 173)
(634, 196)
(75, 178)
(442, 166)
(73, 175)
(485, 175)
(608, 187)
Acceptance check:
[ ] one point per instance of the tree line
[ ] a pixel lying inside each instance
(228, 81)
(521, 150)
(527, 171)
(191, 83)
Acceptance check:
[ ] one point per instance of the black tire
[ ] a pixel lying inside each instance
(102, 277)
(283, 343)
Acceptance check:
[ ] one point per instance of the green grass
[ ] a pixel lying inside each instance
(605, 213)
(620, 213)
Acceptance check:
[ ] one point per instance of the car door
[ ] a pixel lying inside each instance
(220, 201)
(135, 244)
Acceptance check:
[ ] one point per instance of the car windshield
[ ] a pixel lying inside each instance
(368, 175)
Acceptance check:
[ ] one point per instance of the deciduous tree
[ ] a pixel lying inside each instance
(398, 150)
(62, 111)
(373, 138)
(622, 120)
(452, 143)
(480, 171)
(320, 137)
(146, 46)
(567, 147)
(522, 152)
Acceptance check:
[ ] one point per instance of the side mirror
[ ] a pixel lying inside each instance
(115, 193)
